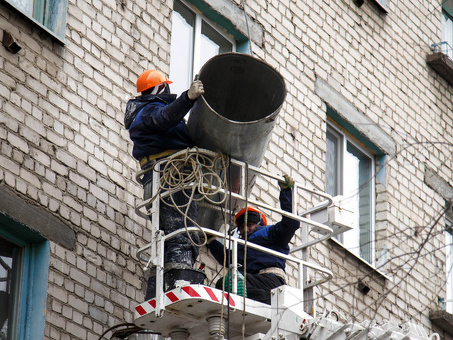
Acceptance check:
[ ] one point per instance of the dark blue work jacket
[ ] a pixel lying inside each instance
(155, 124)
(275, 237)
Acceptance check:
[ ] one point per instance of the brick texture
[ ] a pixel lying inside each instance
(63, 144)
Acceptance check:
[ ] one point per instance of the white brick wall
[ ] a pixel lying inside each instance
(63, 144)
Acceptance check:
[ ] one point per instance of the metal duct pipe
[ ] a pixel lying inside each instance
(237, 113)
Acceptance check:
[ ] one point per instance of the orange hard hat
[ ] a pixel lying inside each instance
(151, 78)
(252, 215)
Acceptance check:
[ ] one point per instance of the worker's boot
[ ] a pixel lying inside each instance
(175, 275)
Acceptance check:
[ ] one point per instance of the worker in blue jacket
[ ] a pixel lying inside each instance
(156, 125)
(264, 271)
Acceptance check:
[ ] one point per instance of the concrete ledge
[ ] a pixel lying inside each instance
(442, 64)
(354, 121)
(443, 320)
(37, 220)
(232, 18)
(438, 184)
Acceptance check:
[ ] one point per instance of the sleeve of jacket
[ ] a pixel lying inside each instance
(216, 249)
(161, 117)
(283, 231)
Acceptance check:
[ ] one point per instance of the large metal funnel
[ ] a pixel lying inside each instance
(236, 115)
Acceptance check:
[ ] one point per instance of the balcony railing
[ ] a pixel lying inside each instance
(441, 61)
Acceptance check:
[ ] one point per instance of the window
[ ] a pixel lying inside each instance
(350, 172)
(382, 5)
(24, 265)
(11, 258)
(49, 14)
(449, 264)
(194, 41)
(447, 34)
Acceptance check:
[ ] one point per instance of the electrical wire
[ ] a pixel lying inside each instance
(129, 327)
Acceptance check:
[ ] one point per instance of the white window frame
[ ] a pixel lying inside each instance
(449, 265)
(344, 139)
(199, 18)
(447, 33)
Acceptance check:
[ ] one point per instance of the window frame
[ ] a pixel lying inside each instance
(41, 11)
(32, 295)
(449, 264)
(344, 138)
(382, 4)
(447, 33)
(196, 47)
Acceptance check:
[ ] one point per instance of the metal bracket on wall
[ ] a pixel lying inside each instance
(9, 43)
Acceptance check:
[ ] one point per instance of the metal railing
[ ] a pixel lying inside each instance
(153, 252)
(443, 47)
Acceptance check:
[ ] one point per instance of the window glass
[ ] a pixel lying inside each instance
(10, 277)
(194, 40)
(357, 192)
(49, 13)
(212, 43)
(333, 159)
(182, 44)
(25, 6)
(447, 34)
(349, 172)
(449, 265)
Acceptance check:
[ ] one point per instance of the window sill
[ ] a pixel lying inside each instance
(358, 258)
(442, 319)
(442, 64)
(381, 5)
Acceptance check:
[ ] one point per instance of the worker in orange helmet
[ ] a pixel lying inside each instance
(156, 125)
(264, 272)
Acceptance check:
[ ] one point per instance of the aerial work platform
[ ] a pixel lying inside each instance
(189, 307)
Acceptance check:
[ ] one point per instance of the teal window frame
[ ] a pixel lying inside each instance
(32, 297)
(347, 137)
(49, 15)
(242, 42)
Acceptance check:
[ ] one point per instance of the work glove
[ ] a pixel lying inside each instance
(196, 90)
(288, 183)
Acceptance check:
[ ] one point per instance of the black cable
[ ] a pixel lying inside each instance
(117, 326)
(210, 283)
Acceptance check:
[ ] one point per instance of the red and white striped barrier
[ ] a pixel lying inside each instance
(188, 292)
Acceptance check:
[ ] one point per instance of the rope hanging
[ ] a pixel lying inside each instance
(196, 171)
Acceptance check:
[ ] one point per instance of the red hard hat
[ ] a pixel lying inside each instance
(250, 209)
(149, 79)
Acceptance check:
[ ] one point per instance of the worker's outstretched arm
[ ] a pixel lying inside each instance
(161, 117)
(282, 232)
